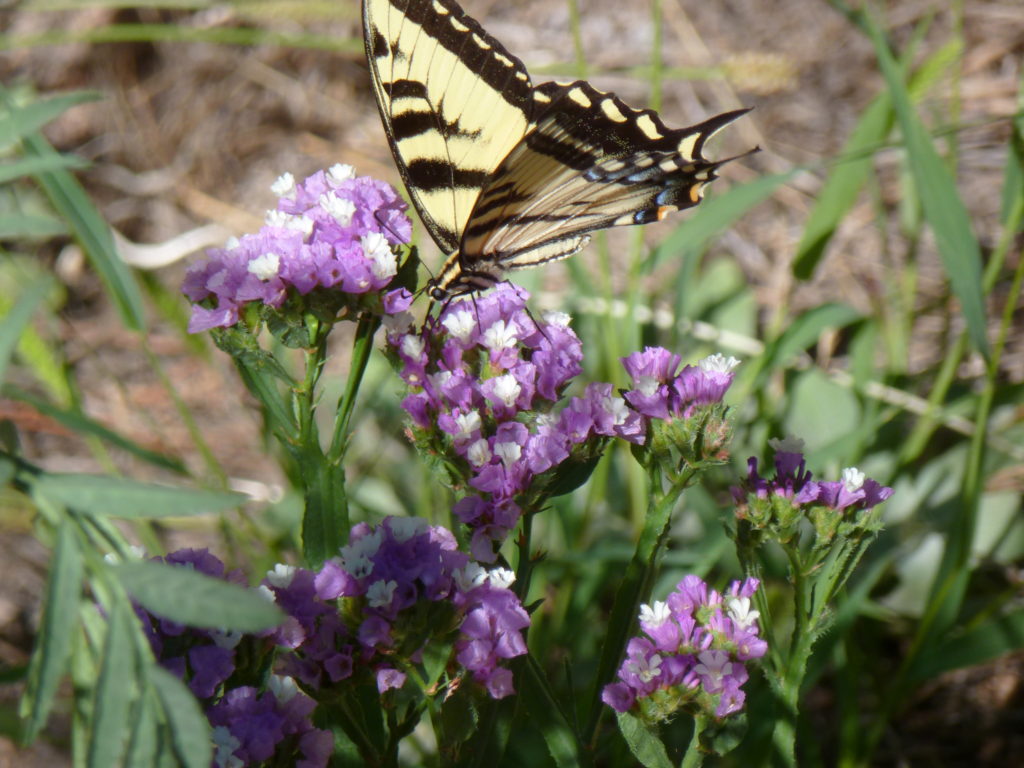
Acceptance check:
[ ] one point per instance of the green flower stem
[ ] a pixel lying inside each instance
(694, 757)
(362, 345)
(635, 584)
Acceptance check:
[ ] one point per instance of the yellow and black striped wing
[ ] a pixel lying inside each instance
(454, 104)
(589, 162)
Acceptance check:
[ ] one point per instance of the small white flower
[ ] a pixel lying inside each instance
(468, 423)
(281, 576)
(853, 479)
(479, 453)
(231, 243)
(509, 453)
(740, 613)
(400, 323)
(655, 615)
(284, 186)
(469, 577)
(440, 379)
(559, 319)
(616, 408)
(714, 665)
(376, 248)
(226, 638)
(718, 363)
(283, 687)
(380, 593)
(302, 224)
(405, 528)
(266, 593)
(647, 385)
(355, 557)
(340, 172)
(133, 553)
(265, 266)
(501, 335)
(459, 324)
(502, 578)
(507, 389)
(340, 209)
(645, 669)
(788, 444)
(225, 744)
(412, 346)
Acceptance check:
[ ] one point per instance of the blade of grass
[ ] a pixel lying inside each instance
(15, 321)
(127, 499)
(115, 689)
(943, 208)
(190, 730)
(30, 166)
(58, 629)
(20, 122)
(27, 226)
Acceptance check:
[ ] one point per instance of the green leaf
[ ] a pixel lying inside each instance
(117, 497)
(17, 122)
(806, 329)
(716, 215)
(568, 476)
(25, 226)
(190, 730)
(720, 738)
(58, 629)
(78, 422)
(643, 741)
(984, 642)
(91, 231)
(1013, 179)
(114, 692)
(15, 321)
(142, 748)
(195, 599)
(820, 410)
(943, 208)
(29, 166)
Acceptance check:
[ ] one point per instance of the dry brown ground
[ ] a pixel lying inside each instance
(193, 134)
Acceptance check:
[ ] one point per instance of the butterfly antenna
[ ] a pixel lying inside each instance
(536, 325)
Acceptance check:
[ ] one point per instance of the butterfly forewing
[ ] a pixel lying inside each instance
(454, 103)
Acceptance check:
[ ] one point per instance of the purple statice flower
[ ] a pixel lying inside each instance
(486, 385)
(691, 653)
(251, 728)
(392, 590)
(662, 391)
(335, 231)
(785, 498)
(203, 658)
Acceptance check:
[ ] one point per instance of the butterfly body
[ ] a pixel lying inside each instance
(507, 175)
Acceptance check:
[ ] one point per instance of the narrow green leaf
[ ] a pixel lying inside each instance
(17, 122)
(195, 599)
(78, 422)
(142, 748)
(716, 215)
(118, 497)
(643, 742)
(943, 208)
(190, 730)
(842, 188)
(1013, 179)
(114, 692)
(987, 641)
(73, 205)
(806, 329)
(29, 166)
(14, 322)
(31, 227)
(53, 644)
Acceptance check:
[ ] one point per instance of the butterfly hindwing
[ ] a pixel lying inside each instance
(589, 162)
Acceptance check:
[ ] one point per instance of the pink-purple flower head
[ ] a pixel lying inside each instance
(392, 590)
(662, 391)
(486, 383)
(691, 654)
(334, 231)
(792, 486)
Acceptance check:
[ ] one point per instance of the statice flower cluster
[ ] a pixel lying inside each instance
(779, 502)
(249, 727)
(662, 391)
(393, 590)
(486, 385)
(692, 653)
(335, 230)
(273, 727)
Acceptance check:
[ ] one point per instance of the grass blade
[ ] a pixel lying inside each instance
(115, 689)
(22, 121)
(943, 208)
(16, 320)
(190, 730)
(29, 166)
(53, 644)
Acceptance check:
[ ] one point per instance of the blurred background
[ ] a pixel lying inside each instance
(815, 261)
